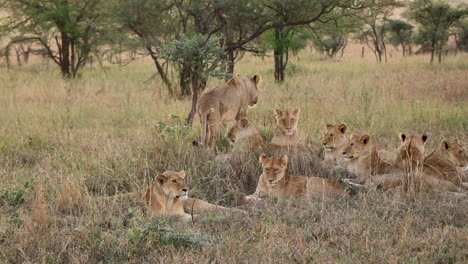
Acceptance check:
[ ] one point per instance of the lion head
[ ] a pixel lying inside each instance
(252, 84)
(410, 154)
(335, 136)
(454, 151)
(243, 128)
(274, 169)
(172, 184)
(356, 146)
(287, 120)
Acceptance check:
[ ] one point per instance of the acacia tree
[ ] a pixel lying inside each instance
(435, 20)
(199, 55)
(67, 29)
(401, 35)
(152, 22)
(374, 17)
(282, 41)
(330, 34)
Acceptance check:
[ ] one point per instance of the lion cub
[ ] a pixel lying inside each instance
(286, 131)
(276, 182)
(363, 159)
(334, 140)
(168, 195)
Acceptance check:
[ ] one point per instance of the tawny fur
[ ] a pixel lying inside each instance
(229, 101)
(276, 182)
(286, 130)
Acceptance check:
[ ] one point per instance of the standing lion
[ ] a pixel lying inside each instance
(227, 102)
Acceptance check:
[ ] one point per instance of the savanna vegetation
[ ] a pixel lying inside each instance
(75, 135)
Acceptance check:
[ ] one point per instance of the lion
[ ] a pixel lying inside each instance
(286, 131)
(446, 162)
(245, 137)
(168, 196)
(334, 141)
(229, 101)
(364, 160)
(430, 174)
(276, 182)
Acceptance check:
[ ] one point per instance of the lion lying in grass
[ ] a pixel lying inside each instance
(286, 131)
(276, 182)
(245, 137)
(439, 172)
(168, 196)
(364, 160)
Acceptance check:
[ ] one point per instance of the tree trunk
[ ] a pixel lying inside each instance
(278, 54)
(160, 70)
(185, 81)
(64, 50)
(229, 63)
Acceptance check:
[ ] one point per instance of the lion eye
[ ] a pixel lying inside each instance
(352, 144)
(174, 181)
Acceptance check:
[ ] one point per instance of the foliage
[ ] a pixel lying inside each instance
(461, 32)
(69, 30)
(330, 35)
(435, 20)
(401, 34)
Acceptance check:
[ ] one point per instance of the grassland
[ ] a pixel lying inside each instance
(64, 143)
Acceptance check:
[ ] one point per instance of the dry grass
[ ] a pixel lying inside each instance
(64, 143)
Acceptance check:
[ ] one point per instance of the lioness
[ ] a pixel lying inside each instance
(168, 195)
(245, 137)
(363, 159)
(334, 141)
(423, 174)
(224, 103)
(446, 162)
(286, 131)
(276, 182)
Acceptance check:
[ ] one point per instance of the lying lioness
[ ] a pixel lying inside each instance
(276, 182)
(437, 173)
(286, 130)
(245, 137)
(168, 196)
(364, 160)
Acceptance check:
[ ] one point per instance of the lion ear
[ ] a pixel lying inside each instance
(328, 126)
(263, 158)
(278, 112)
(365, 139)
(424, 137)
(296, 112)
(402, 137)
(284, 160)
(256, 78)
(446, 144)
(342, 128)
(244, 122)
(161, 178)
(182, 174)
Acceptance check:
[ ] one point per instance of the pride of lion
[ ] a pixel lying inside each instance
(442, 171)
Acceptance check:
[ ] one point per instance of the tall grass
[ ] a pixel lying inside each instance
(64, 143)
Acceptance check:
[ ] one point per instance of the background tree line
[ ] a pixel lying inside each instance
(190, 41)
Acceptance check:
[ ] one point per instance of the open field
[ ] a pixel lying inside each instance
(65, 143)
